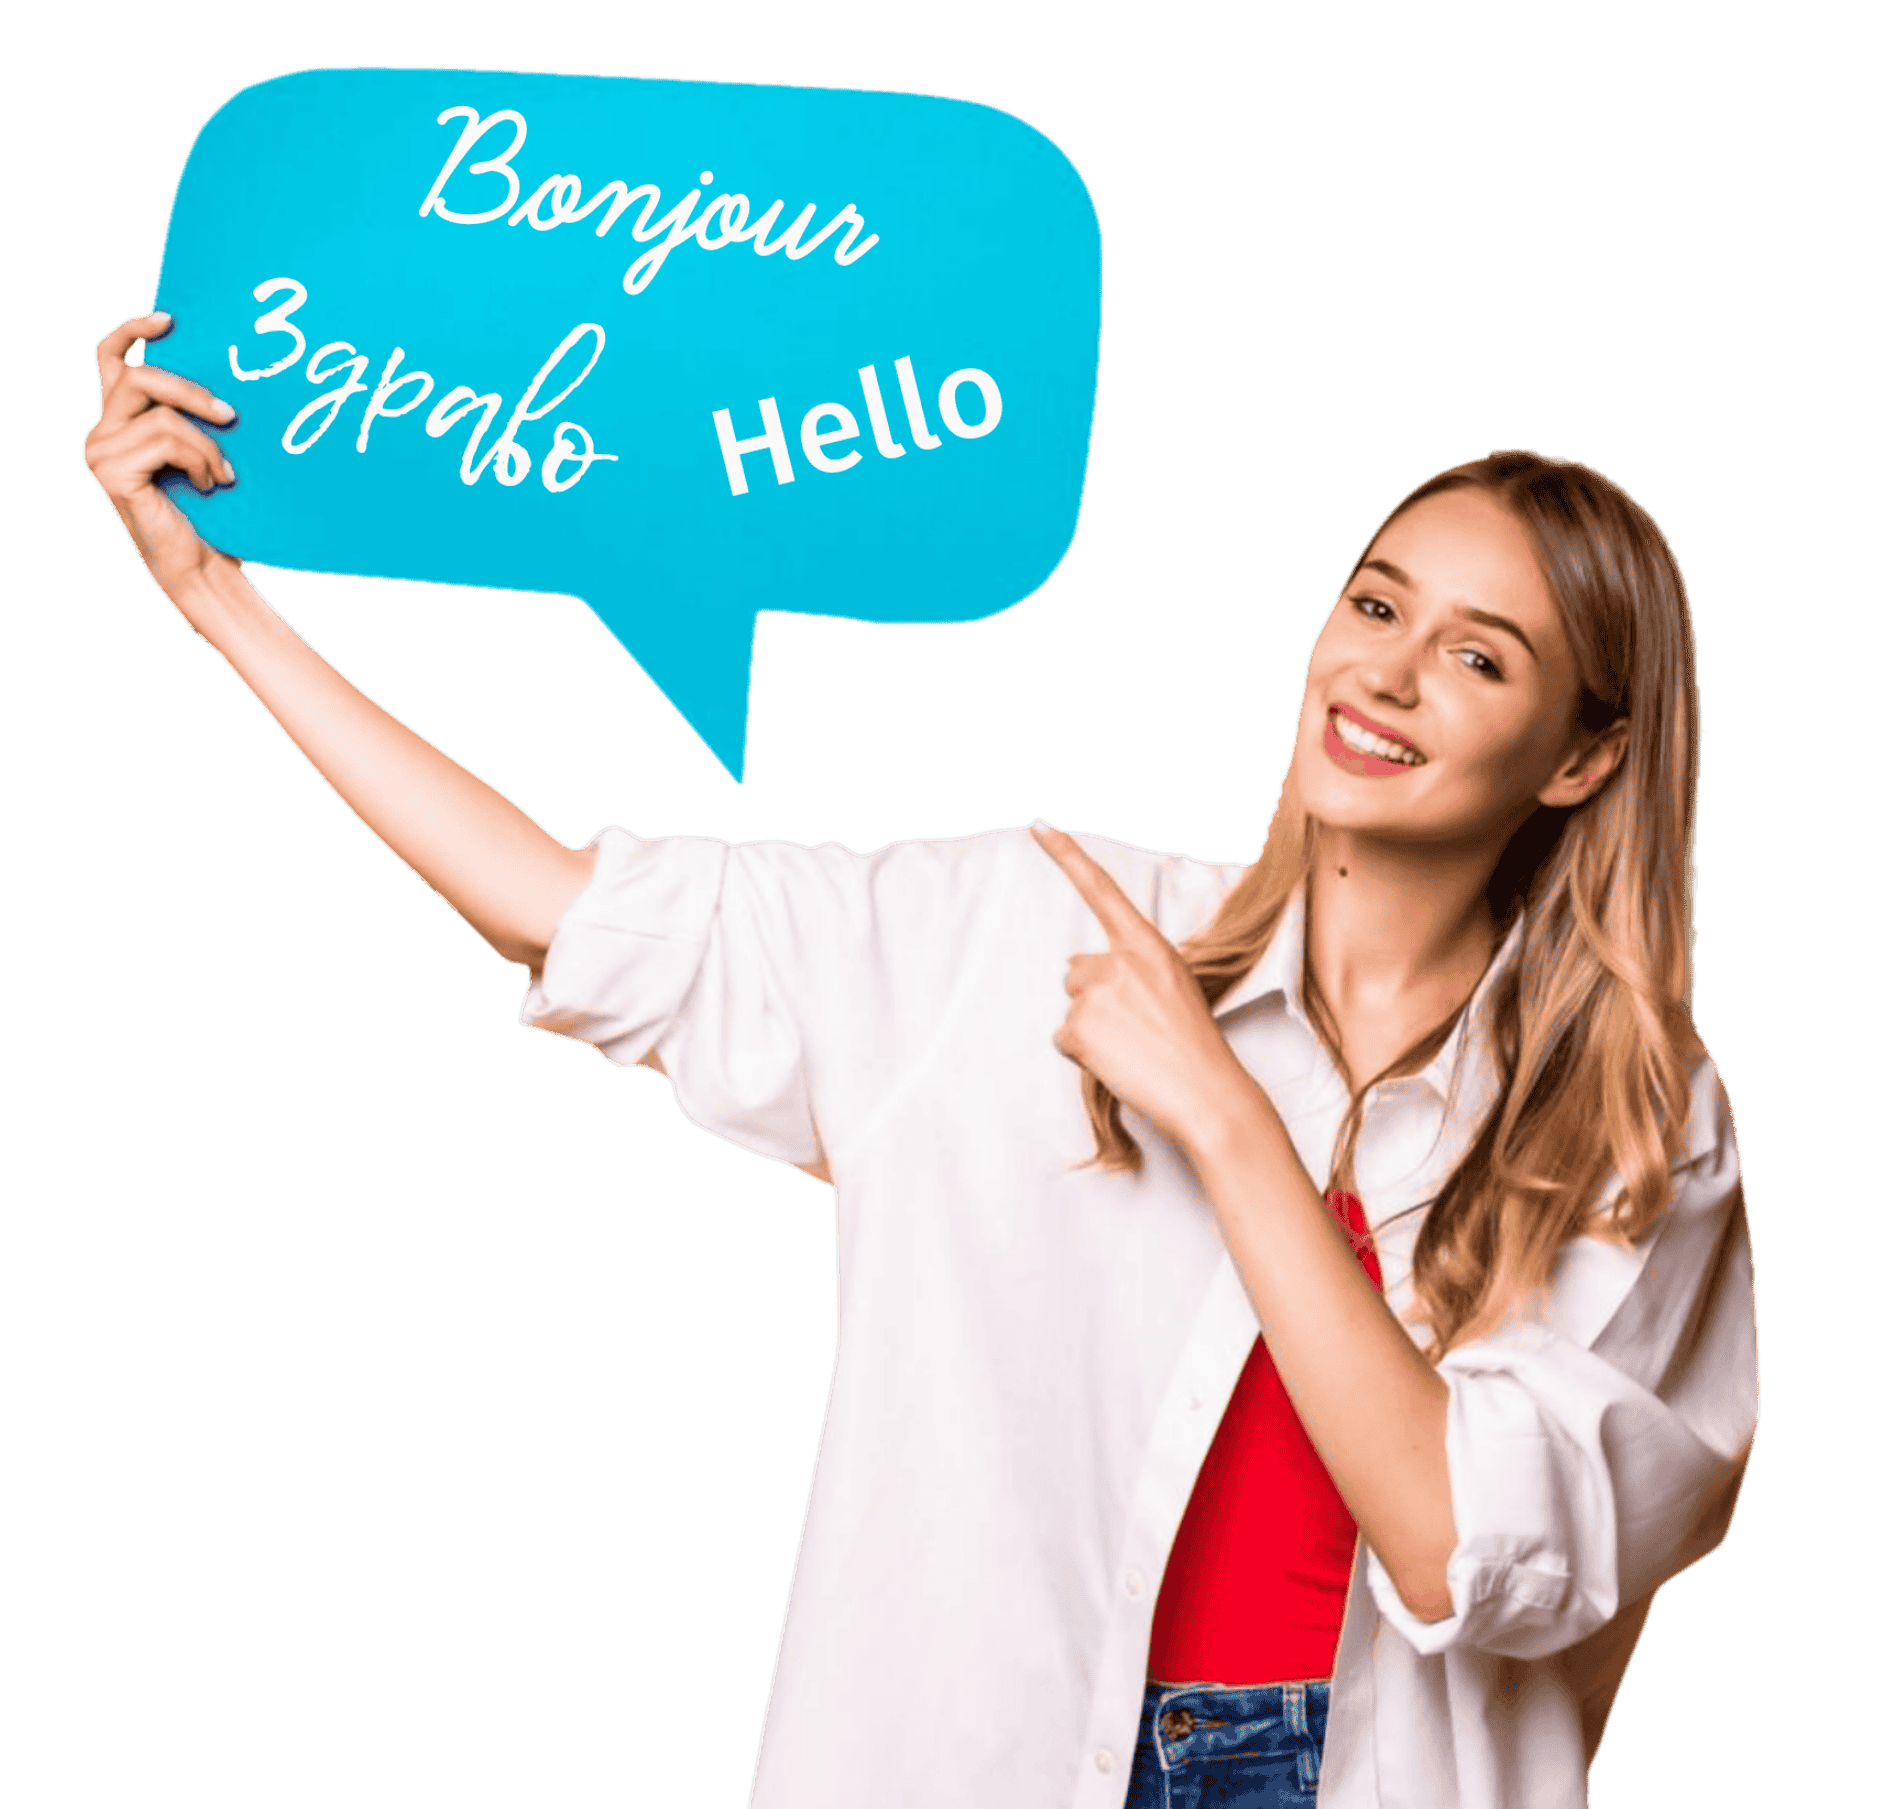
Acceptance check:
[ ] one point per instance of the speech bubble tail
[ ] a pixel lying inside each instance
(702, 660)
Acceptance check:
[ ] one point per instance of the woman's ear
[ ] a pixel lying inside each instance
(1582, 776)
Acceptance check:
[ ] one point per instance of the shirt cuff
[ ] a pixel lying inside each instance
(1520, 1491)
(627, 949)
(1485, 1591)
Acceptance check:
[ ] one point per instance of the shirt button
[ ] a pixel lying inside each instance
(1102, 1760)
(1134, 1583)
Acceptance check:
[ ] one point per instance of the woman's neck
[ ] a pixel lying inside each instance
(1398, 937)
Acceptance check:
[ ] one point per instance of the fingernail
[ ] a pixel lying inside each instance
(223, 411)
(1040, 823)
(228, 472)
(161, 318)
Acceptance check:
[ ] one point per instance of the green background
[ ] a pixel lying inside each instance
(402, 1408)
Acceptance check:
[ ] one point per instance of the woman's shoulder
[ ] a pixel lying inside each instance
(945, 875)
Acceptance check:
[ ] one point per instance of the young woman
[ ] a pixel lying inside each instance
(1096, 1118)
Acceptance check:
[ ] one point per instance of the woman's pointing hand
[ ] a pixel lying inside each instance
(1138, 1019)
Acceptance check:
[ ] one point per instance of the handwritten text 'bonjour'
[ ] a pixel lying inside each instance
(557, 201)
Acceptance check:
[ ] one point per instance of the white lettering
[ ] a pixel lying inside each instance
(563, 451)
(513, 463)
(912, 406)
(844, 254)
(561, 192)
(831, 424)
(275, 321)
(400, 392)
(474, 129)
(732, 211)
(815, 442)
(879, 415)
(452, 408)
(333, 400)
(648, 265)
(990, 404)
(620, 198)
(787, 241)
(557, 201)
(772, 439)
(380, 402)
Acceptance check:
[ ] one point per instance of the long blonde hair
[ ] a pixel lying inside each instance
(1590, 1031)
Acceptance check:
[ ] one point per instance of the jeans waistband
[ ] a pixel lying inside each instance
(1185, 1723)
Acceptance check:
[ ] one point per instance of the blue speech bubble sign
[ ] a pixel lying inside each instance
(685, 350)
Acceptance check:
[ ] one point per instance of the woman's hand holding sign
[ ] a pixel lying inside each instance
(144, 427)
(1372, 1404)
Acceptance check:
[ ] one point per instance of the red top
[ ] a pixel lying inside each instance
(1258, 1578)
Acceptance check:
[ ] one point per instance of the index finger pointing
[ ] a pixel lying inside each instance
(1117, 915)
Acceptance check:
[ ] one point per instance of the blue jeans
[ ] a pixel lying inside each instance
(1206, 1747)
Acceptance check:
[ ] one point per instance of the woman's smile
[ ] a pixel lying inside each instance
(1357, 744)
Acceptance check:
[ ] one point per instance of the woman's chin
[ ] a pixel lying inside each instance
(1358, 806)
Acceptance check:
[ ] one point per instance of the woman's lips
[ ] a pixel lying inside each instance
(1359, 760)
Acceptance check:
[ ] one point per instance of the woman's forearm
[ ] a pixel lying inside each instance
(1374, 1407)
(1368, 1398)
(509, 879)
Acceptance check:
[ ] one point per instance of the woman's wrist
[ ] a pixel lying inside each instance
(215, 599)
(1232, 1123)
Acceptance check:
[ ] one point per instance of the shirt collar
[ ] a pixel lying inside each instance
(1279, 974)
(1468, 1042)
(1279, 970)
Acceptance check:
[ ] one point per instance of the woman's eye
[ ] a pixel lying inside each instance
(1481, 663)
(1375, 608)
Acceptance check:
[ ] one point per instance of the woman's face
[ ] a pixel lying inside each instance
(1442, 696)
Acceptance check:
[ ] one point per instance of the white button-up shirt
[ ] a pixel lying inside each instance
(1033, 1354)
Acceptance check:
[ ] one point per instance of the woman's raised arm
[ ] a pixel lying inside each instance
(510, 880)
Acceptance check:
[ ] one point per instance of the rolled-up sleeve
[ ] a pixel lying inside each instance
(628, 948)
(663, 950)
(1595, 1447)
(783, 987)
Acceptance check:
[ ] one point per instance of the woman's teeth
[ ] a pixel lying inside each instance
(1365, 741)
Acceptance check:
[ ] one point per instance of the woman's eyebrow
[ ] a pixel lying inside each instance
(1388, 569)
(1510, 627)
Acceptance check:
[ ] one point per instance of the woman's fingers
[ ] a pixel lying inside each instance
(198, 457)
(187, 448)
(143, 424)
(138, 386)
(178, 391)
(132, 389)
(145, 427)
(113, 348)
(1118, 916)
(125, 460)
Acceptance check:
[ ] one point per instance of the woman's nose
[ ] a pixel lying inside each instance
(1393, 675)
